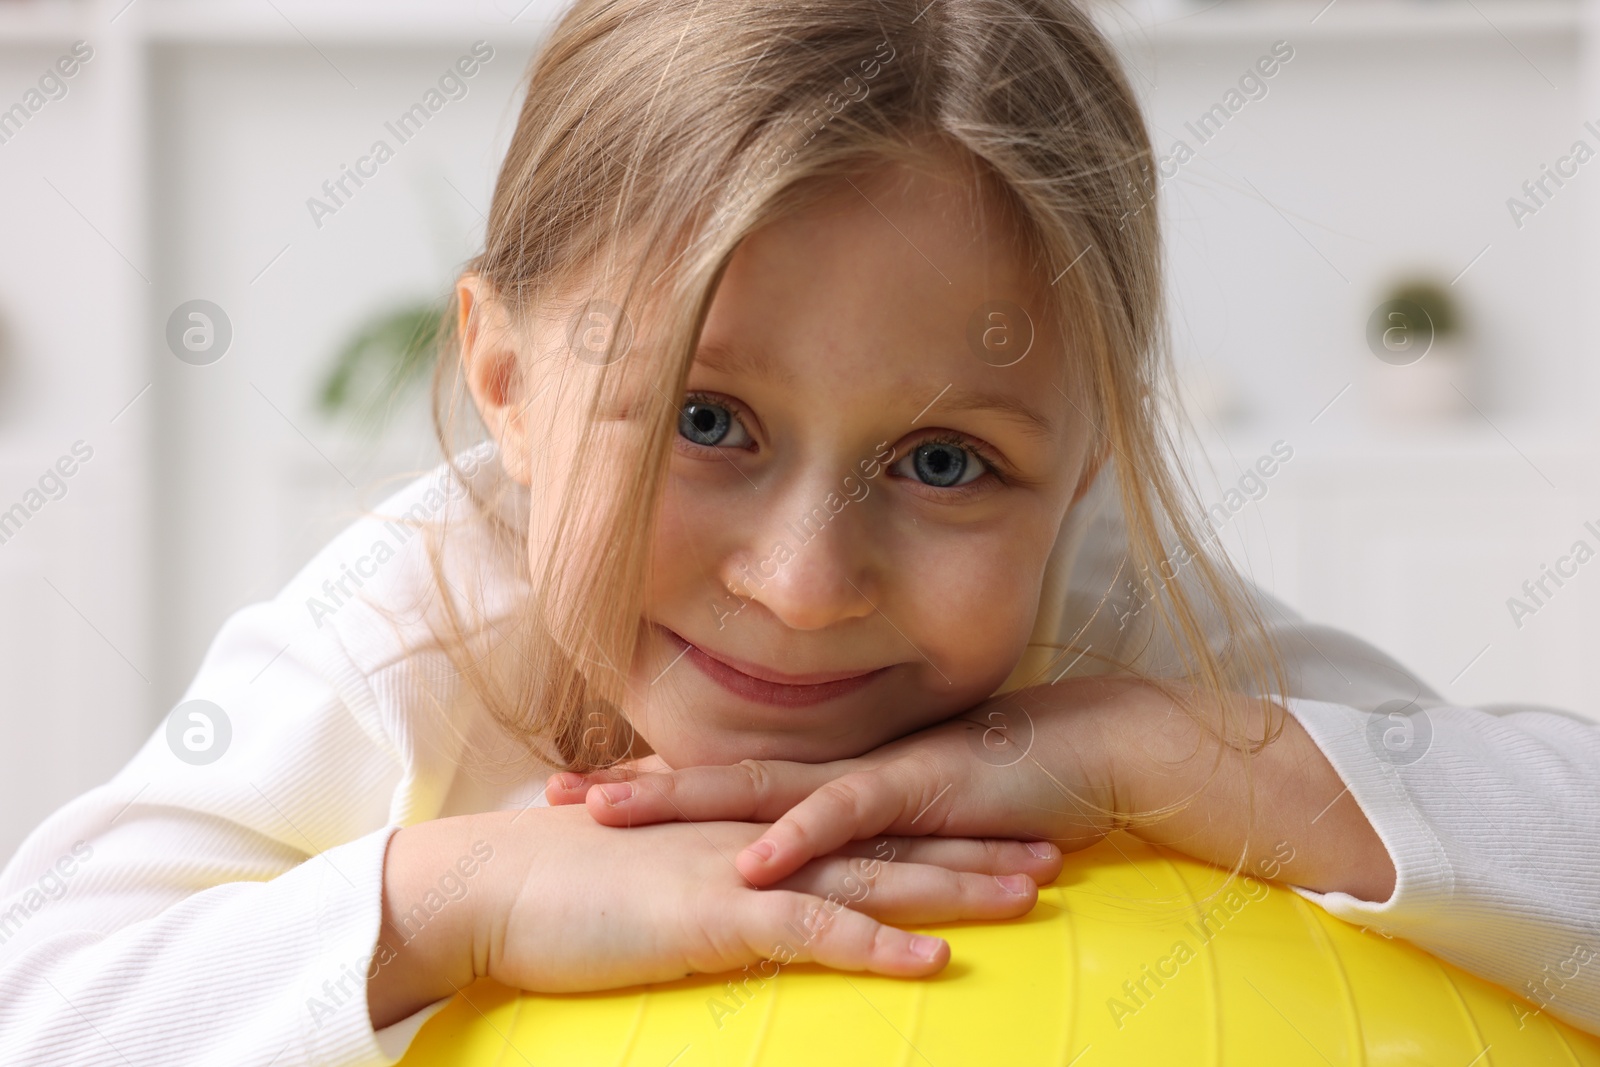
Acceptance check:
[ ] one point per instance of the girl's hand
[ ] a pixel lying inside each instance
(1065, 763)
(1029, 765)
(568, 905)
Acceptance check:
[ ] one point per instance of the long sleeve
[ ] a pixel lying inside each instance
(175, 915)
(1492, 819)
(199, 910)
(1491, 815)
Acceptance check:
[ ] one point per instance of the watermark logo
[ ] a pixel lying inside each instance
(1400, 732)
(1000, 333)
(1003, 738)
(1399, 332)
(199, 332)
(599, 333)
(198, 732)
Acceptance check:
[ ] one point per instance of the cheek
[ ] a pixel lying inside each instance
(974, 598)
(684, 549)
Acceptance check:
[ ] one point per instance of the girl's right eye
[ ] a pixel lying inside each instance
(705, 422)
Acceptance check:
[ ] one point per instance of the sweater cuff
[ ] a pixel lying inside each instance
(394, 1039)
(1378, 777)
(337, 1024)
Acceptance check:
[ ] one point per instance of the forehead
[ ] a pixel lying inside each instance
(909, 280)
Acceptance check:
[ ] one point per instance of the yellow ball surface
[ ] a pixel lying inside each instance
(1135, 955)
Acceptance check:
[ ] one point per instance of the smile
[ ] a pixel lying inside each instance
(763, 686)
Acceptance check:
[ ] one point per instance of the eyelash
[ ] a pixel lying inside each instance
(992, 466)
(722, 402)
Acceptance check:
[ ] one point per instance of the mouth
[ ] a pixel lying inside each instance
(763, 686)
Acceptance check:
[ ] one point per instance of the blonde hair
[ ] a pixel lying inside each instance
(686, 125)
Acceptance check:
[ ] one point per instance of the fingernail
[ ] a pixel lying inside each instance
(566, 781)
(926, 947)
(1015, 884)
(761, 850)
(616, 792)
(1042, 850)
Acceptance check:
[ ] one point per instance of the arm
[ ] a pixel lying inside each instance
(1474, 833)
(1286, 796)
(1067, 764)
(563, 904)
(176, 884)
(82, 981)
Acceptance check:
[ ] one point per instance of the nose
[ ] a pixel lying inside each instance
(809, 560)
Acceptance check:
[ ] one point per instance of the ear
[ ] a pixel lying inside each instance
(493, 369)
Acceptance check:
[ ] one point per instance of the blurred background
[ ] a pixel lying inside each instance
(195, 340)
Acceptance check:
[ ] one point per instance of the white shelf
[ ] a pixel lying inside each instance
(366, 23)
(281, 23)
(1356, 20)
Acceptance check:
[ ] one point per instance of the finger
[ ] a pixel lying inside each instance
(752, 791)
(794, 927)
(569, 787)
(1039, 860)
(913, 893)
(855, 806)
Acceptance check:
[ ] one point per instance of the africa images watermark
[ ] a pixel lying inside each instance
(1251, 486)
(1537, 589)
(52, 486)
(452, 887)
(1539, 991)
(832, 104)
(52, 86)
(1540, 190)
(51, 885)
(1142, 988)
(337, 590)
(740, 994)
(1252, 85)
(452, 85)
(810, 525)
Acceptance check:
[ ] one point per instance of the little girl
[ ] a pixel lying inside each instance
(824, 567)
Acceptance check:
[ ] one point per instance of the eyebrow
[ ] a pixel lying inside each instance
(742, 361)
(735, 362)
(1027, 419)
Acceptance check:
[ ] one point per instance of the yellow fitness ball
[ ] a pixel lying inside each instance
(1134, 956)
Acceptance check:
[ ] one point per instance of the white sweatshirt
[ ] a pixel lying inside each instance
(202, 913)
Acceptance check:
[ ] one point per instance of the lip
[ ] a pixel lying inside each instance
(764, 686)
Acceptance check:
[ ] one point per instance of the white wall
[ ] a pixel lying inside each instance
(188, 146)
(77, 660)
(1388, 145)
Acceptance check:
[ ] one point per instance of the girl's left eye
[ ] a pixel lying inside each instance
(943, 464)
(711, 425)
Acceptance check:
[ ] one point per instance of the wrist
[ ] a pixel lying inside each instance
(1242, 782)
(433, 875)
(1066, 734)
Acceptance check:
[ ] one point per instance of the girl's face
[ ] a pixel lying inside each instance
(867, 483)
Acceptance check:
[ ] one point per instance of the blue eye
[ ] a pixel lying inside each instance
(710, 424)
(944, 464)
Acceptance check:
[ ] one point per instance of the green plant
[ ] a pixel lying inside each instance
(1433, 298)
(388, 355)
